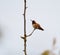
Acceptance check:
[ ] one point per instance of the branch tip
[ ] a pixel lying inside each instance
(24, 50)
(26, 7)
(22, 37)
(22, 14)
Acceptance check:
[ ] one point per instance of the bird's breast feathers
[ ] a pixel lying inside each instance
(36, 26)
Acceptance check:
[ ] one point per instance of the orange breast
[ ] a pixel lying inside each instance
(35, 26)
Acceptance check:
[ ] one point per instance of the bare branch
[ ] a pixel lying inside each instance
(25, 52)
(22, 37)
(31, 33)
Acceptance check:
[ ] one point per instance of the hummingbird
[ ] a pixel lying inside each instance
(36, 25)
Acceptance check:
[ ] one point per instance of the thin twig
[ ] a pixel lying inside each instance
(31, 33)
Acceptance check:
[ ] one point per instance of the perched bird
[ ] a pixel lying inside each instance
(36, 25)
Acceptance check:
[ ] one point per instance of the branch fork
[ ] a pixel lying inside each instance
(29, 34)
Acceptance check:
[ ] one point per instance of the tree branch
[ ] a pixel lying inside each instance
(31, 33)
(25, 27)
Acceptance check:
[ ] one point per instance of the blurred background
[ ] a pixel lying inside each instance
(45, 12)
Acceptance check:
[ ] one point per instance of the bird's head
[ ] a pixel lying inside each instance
(33, 21)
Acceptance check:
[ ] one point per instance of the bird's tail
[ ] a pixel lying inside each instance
(41, 29)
